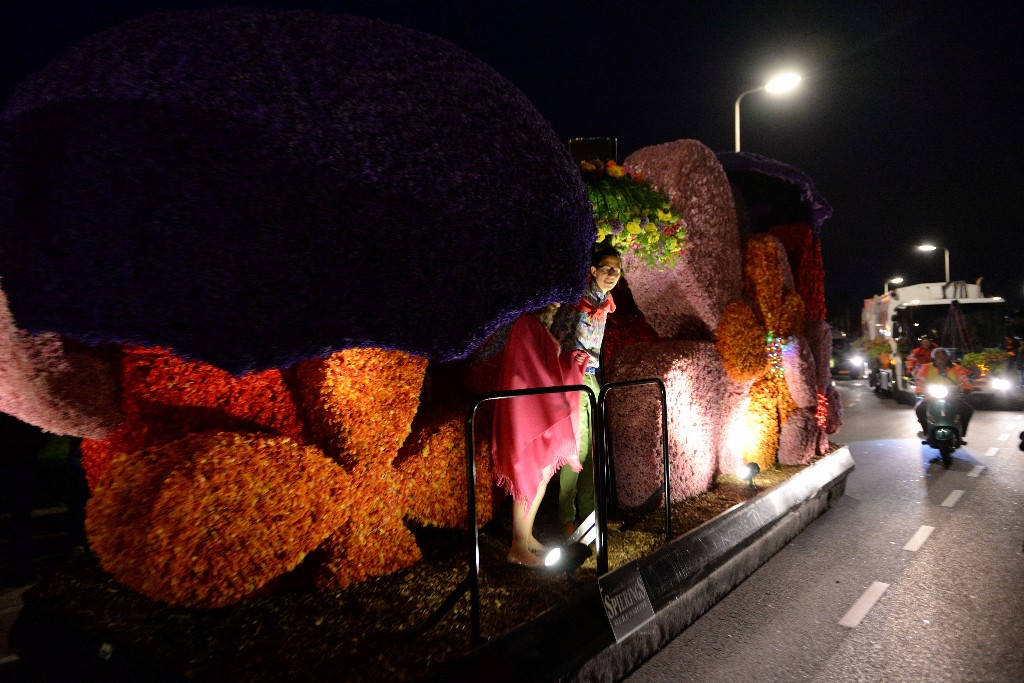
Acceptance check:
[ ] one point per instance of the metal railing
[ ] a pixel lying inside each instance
(601, 453)
(664, 492)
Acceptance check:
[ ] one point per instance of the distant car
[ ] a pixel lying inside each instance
(846, 361)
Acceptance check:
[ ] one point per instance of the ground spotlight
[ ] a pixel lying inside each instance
(576, 549)
(748, 472)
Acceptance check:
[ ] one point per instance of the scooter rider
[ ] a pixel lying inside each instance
(940, 370)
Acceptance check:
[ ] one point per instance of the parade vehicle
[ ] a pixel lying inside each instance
(956, 316)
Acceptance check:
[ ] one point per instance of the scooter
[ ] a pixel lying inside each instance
(944, 430)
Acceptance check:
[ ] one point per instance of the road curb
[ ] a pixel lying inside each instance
(684, 579)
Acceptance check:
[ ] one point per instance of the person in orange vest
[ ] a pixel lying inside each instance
(921, 355)
(942, 371)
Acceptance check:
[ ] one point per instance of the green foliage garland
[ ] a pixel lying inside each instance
(632, 216)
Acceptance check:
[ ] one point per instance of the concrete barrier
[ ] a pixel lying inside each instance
(684, 579)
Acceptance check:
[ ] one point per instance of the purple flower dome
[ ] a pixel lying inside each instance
(250, 188)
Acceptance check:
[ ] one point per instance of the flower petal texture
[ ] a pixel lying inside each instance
(188, 522)
(686, 302)
(696, 385)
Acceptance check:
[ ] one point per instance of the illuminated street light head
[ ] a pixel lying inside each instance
(927, 247)
(783, 83)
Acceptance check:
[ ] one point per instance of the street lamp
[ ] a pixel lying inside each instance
(779, 84)
(932, 247)
(894, 280)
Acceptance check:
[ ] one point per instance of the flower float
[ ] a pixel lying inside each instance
(632, 216)
(986, 361)
(223, 177)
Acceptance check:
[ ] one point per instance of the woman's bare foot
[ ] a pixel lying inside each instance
(536, 546)
(523, 557)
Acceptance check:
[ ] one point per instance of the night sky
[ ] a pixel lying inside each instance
(908, 119)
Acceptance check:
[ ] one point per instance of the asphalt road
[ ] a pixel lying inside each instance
(916, 574)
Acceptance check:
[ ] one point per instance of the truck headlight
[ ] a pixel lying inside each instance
(1000, 384)
(938, 390)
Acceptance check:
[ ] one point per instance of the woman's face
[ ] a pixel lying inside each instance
(607, 273)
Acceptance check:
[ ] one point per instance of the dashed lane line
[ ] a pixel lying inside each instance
(863, 605)
(1003, 437)
(918, 539)
(978, 469)
(991, 452)
(952, 498)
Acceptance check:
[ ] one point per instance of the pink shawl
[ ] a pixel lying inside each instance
(534, 432)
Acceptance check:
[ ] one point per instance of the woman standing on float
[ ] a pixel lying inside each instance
(534, 435)
(581, 326)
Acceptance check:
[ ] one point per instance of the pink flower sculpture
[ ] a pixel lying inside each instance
(819, 338)
(800, 372)
(799, 438)
(686, 302)
(735, 433)
(696, 385)
(55, 385)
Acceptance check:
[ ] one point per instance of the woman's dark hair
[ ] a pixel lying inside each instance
(602, 250)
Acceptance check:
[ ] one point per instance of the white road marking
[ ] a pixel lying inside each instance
(991, 452)
(9, 659)
(918, 539)
(863, 605)
(952, 498)
(1003, 437)
(978, 469)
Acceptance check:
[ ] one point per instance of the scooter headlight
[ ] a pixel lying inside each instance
(1000, 384)
(938, 391)
(856, 360)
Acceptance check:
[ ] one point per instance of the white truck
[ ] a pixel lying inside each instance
(956, 315)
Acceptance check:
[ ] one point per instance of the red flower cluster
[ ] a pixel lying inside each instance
(803, 248)
(627, 326)
(821, 412)
(165, 397)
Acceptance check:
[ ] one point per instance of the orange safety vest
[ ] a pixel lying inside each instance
(955, 375)
(919, 357)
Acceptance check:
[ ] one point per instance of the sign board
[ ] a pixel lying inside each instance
(625, 600)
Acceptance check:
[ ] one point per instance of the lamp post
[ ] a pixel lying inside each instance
(894, 280)
(779, 84)
(932, 247)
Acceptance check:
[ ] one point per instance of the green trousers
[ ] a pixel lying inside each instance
(576, 489)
